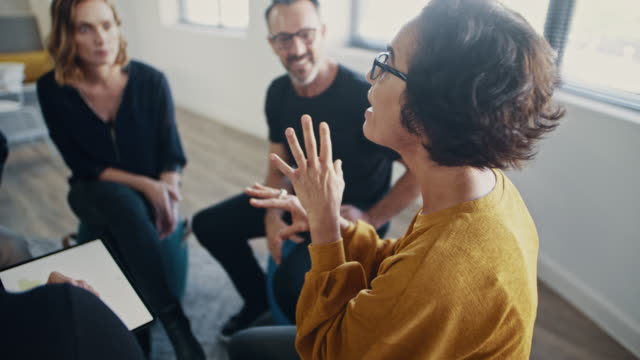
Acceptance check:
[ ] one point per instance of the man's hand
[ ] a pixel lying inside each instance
(58, 278)
(277, 230)
(354, 214)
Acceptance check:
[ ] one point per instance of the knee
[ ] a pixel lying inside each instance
(264, 343)
(123, 203)
(241, 346)
(108, 198)
(199, 225)
(215, 223)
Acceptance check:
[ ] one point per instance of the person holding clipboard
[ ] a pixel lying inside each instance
(63, 319)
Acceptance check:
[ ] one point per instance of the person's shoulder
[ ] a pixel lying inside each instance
(279, 83)
(144, 71)
(481, 237)
(350, 76)
(47, 80)
(277, 88)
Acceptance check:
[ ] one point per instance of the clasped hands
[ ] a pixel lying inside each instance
(164, 198)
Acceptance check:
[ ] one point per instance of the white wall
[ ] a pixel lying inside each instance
(221, 74)
(14, 7)
(583, 194)
(582, 190)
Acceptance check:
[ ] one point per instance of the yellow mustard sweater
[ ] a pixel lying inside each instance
(460, 284)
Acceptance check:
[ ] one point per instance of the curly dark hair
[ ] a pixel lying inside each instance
(479, 85)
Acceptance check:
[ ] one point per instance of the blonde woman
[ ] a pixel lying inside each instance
(113, 122)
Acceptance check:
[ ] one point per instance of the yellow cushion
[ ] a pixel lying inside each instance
(36, 63)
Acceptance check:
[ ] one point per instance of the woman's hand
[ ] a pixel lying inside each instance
(277, 230)
(172, 179)
(317, 181)
(58, 278)
(163, 198)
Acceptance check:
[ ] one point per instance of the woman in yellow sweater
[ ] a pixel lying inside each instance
(463, 91)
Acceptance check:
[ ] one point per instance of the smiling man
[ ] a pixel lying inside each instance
(316, 85)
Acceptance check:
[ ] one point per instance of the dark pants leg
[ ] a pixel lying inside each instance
(129, 228)
(224, 230)
(289, 276)
(264, 343)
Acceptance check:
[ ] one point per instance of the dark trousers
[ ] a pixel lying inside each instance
(264, 343)
(224, 230)
(126, 220)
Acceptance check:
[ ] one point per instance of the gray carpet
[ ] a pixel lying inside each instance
(209, 301)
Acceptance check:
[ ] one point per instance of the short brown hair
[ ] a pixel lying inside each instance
(267, 12)
(479, 85)
(61, 46)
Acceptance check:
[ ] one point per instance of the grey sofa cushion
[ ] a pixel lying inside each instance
(20, 34)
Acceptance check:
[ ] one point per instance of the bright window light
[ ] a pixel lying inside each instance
(217, 13)
(603, 47)
(598, 42)
(378, 21)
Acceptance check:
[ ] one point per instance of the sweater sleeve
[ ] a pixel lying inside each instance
(337, 304)
(173, 157)
(421, 304)
(81, 164)
(363, 245)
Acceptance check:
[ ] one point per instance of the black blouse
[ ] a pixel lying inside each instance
(142, 140)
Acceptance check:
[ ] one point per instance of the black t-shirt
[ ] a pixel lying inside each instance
(366, 166)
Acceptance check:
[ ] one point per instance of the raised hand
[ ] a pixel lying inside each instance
(317, 180)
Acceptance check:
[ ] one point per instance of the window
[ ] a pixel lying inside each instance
(217, 13)
(376, 22)
(602, 52)
(598, 42)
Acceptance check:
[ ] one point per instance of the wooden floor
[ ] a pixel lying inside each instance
(222, 161)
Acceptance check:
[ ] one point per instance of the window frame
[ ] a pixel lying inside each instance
(557, 27)
(184, 20)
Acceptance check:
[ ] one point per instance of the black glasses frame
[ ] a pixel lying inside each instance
(381, 61)
(284, 40)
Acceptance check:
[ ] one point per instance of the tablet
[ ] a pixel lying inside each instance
(93, 263)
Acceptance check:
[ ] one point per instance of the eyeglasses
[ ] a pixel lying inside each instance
(283, 40)
(380, 66)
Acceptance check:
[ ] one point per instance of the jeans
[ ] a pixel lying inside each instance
(224, 230)
(126, 220)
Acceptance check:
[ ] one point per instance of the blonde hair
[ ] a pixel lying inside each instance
(62, 47)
